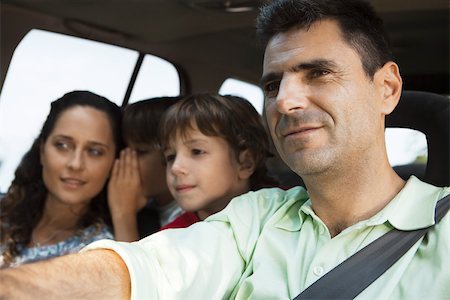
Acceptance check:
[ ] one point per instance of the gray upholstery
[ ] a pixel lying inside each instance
(430, 114)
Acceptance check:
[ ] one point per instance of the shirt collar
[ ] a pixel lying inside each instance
(412, 208)
(296, 198)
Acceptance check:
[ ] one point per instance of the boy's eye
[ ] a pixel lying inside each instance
(197, 151)
(169, 157)
(141, 152)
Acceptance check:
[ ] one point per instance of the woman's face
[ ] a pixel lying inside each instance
(77, 156)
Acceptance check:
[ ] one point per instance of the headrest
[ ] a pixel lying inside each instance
(428, 113)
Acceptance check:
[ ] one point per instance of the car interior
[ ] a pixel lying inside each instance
(428, 113)
(209, 41)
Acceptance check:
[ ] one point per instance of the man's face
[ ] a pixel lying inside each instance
(322, 110)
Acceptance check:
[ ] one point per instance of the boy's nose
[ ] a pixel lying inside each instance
(178, 167)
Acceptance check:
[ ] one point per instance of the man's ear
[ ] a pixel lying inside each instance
(246, 164)
(389, 81)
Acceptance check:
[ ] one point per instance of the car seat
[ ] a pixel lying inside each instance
(428, 113)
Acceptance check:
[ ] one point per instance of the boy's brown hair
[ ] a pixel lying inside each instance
(141, 120)
(229, 117)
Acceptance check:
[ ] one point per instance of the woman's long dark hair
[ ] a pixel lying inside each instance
(23, 204)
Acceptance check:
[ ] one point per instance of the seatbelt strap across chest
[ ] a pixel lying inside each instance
(357, 272)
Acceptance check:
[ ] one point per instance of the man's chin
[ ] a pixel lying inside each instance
(309, 163)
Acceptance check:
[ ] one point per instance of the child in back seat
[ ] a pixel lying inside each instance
(138, 196)
(215, 149)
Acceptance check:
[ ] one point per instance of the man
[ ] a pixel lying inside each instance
(329, 83)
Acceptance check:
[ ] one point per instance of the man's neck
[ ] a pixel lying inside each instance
(341, 201)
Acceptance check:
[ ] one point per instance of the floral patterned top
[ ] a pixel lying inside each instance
(71, 245)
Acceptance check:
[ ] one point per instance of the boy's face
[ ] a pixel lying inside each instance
(151, 171)
(202, 172)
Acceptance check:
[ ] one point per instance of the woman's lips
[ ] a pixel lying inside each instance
(73, 182)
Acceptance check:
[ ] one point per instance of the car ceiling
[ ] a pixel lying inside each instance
(198, 35)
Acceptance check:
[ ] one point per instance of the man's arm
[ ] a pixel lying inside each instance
(96, 274)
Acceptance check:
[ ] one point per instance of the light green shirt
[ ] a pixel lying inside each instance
(270, 245)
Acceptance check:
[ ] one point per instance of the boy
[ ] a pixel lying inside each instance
(215, 149)
(138, 196)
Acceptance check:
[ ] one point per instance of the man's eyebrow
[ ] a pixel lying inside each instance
(314, 64)
(309, 65)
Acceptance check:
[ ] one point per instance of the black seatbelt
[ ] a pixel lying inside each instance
(357, 272)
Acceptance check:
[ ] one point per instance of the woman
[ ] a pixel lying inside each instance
(57, 202)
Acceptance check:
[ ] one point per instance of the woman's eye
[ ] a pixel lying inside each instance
(61, 145)
(95, 152)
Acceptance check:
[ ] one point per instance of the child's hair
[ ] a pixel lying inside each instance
(141, 120)
(229, 117)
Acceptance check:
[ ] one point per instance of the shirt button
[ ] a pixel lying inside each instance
(318, 271)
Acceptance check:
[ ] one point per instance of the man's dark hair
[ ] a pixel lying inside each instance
(361, 28)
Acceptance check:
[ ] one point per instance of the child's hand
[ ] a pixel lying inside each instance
(125, 195)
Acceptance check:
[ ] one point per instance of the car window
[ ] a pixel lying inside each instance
(406, 146)
(156, 78)
(46, 65)
(251, 92)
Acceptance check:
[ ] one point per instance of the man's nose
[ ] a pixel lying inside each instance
(292, 95)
